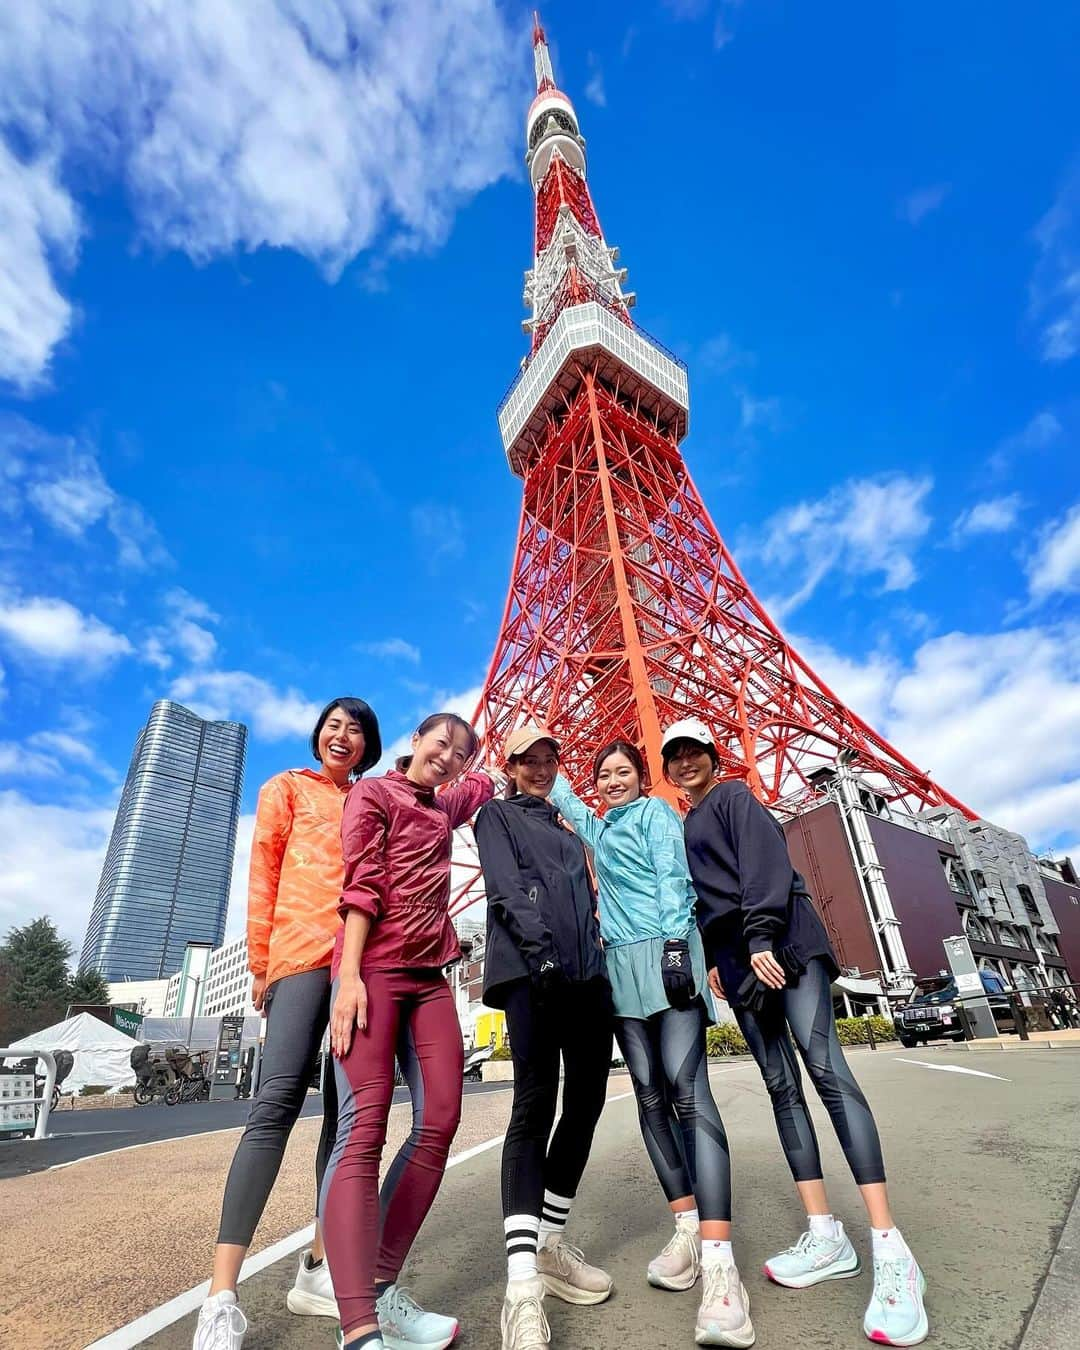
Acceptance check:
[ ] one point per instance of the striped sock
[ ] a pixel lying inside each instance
(553, 1215)
(520, 1230)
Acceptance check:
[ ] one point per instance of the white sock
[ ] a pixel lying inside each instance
(823, 1225)
(888, 1244)
(553, 1215)
(686, 1216)
(520, 1230)
(716, 1253)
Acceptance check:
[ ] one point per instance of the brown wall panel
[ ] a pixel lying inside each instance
(819, 850)
(1065, 907)
(921, 897)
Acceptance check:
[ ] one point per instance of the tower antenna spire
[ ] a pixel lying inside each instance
(545, 76)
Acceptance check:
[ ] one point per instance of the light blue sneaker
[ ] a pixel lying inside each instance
(896, 1315)
(813, 1259)
(404, 1324)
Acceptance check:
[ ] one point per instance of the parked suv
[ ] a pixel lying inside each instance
(933, 1013)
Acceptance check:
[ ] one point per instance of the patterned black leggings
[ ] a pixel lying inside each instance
(683, 1132)
(806, 1010)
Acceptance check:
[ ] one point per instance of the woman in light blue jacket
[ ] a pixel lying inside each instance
(656, 965)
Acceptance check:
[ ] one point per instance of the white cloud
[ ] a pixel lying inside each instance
(723, 354)
(19, 761)
(316, 125)
(917, 205)
(38, 223)
(1055, 284)
(1056, 565)
(861, 527)
(993, 516)
(236, 916)
(1043, 431)
(50, 861)
(60, 479)
(272, 714)
(198, 644)
(439, 531)
(594, 89)
(994, 717)
(758, 412)
(391, 648)
(55, 631)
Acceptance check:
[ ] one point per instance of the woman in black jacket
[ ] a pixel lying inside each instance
(544, 965)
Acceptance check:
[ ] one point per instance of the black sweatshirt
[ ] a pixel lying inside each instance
(750, 898)
(541, 903)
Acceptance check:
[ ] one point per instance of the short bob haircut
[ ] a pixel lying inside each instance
(455, 723)
(358, 711)
(632, 753)
(670, 750)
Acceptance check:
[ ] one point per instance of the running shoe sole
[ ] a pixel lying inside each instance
(678, 1287)
(396, 1343)
(813, 1277)
(740, 1338)
(570, 1293)
(302, 1303)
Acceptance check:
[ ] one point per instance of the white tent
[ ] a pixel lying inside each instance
(102, 1054)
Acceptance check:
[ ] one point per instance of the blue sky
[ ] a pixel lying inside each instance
(260, 280)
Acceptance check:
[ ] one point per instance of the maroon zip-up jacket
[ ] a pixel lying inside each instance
(396, 837)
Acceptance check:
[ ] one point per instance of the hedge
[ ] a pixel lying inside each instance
(727, 1039)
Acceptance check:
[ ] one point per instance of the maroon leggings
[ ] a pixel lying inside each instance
(411, 1014)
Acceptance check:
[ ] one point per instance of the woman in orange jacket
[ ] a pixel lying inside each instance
(297, 871)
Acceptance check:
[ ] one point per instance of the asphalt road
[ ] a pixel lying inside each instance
(984, 1166)
(84, 1134)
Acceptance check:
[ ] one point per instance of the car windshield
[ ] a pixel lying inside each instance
(939, 994)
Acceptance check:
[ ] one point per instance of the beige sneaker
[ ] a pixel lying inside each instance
(568, 1276)
(524, 1326)
(679, 1264)
(724, 1315)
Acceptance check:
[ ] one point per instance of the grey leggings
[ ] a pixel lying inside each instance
(682, 1129)
(297, 1013)
(806, 1008)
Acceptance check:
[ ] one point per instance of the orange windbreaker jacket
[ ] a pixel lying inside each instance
(296, 874)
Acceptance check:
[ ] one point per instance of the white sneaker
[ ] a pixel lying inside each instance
(221, 1324)
(679, 1264)
(312, 1294)
(405, 1324)
(724, 1315)
(524, 1326)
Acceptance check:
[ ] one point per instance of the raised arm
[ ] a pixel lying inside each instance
(463, 799)
(765, 870)
(507, 898)
(674, 890)
(273, 825)
(584, 820)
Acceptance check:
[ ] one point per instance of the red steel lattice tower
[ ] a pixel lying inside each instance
(625, 610)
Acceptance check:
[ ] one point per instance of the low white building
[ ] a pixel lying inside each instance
(143, 996)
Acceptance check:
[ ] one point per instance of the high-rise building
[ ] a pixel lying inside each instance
(165, 881)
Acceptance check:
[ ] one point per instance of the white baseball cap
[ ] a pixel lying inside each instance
(689, 729)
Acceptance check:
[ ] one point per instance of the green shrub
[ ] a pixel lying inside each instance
(501, 1052)
(856, 1030)
(725, 1039)
(93, 1090)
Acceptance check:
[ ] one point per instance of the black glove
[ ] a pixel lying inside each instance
(548, 978)
(677, 973)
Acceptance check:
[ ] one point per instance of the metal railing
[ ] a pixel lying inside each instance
(45, 1101)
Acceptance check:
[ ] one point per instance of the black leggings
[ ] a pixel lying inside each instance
(297, 1013)
(670, 1073)
(806, 1008)
(575, 1026)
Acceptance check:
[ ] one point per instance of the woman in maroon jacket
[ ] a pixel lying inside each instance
(390, 994)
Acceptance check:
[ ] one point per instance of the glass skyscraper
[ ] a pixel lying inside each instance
(165, 881)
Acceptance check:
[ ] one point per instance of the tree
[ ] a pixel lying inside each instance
(34, 982)
(89, 986)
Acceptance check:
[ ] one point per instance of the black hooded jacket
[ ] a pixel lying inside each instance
(541, 903)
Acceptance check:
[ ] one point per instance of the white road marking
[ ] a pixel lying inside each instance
(157, 1319)
(952, 1068)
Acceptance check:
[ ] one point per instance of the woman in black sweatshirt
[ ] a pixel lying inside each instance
(544, 965)
(773, 962)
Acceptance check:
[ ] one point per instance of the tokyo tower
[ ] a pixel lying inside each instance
(625, 610)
